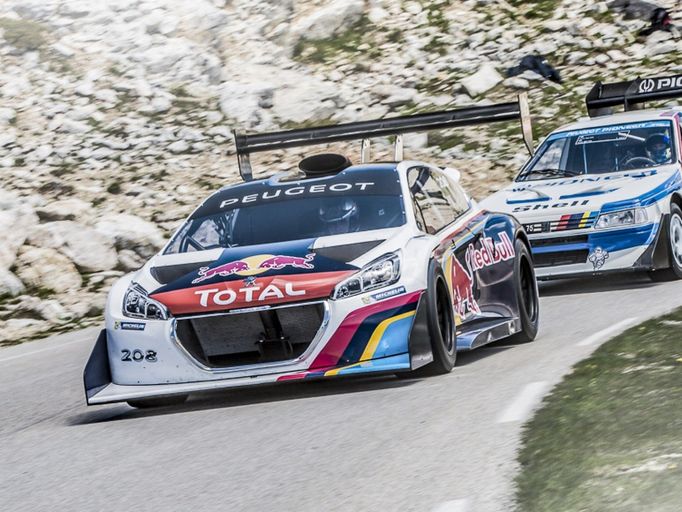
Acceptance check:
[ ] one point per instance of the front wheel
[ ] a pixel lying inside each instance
(674, 248)
(526, 293)
(441, 325)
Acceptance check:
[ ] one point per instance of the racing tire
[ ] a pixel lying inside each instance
(164, 401)
(674, 249)
(526, 293)
(441, 325)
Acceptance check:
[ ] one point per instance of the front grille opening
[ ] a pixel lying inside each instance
(558, 240)
(550, 259)
(266, 336)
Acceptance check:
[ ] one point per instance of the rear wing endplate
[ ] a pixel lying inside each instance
(633, 94)
(364, 130)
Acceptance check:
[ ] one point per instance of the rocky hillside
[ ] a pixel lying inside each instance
(116, 116)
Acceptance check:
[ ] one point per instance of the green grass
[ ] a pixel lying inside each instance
(114, 187)
(536, 9)
(434, 14)
(22, 34)
(608, 438)
(326, 50)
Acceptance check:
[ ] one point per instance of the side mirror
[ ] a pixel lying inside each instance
(452, 173)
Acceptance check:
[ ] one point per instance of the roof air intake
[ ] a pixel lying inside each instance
(324, 164)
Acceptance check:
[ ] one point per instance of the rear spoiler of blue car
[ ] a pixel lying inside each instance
(632, 94)
(364, 130)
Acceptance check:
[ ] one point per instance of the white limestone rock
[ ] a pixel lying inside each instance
(90, 250)
(482, 81)
(131, 232)
(47, 269)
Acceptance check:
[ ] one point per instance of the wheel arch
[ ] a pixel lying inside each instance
(523, 236)
(676, 198)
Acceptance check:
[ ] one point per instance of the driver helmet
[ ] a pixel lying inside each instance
(339, 215)
(658, 148)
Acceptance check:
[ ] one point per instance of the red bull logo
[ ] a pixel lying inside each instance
(224, 270)
(463, 290)
(254, 265)
(279, 262)
(490, 253)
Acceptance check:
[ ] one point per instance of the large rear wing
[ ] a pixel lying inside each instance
(364, 130)
(632, 94)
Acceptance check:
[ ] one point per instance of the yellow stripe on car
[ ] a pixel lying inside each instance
(373, 343)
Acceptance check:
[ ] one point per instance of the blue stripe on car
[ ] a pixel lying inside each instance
(560, 248)
(648, 198)
(609, 129)
(610, 241)
(586, 194)
(521, 201)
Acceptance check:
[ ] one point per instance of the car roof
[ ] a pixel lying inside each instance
(632, 116)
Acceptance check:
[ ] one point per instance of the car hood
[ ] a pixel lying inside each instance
(585, 195)
(259, 275)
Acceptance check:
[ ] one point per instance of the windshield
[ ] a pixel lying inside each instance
(292, 219)
(602, 150)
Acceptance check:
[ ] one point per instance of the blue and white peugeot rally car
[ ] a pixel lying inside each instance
(604, 194)
(333, 269)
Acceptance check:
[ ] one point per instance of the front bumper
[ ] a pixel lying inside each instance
(99, 389)
(386, 336)
(592, 252)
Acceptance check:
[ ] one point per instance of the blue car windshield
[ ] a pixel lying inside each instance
(292, 219)
(602, 150)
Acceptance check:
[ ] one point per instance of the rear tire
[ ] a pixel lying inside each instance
(164, 401)
(527, 294)
(674, 249)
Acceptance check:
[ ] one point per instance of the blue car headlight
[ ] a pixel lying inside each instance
(381, 272)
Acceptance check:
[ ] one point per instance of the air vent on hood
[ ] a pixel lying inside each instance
(170, 273)
(348, 252)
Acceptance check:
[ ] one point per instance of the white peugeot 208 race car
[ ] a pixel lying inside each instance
(339, 270)
(604, 194)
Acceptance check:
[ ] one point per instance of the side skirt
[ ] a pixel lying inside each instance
(486, 331)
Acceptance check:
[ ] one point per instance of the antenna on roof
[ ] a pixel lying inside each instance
(398, 148)
(365, 151)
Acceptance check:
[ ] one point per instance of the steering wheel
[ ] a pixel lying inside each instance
(638, 161)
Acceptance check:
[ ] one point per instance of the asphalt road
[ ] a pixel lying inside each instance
(443, 444)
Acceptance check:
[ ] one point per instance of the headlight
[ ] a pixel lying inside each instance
(381, 272)
(137, 304)
(621, 218)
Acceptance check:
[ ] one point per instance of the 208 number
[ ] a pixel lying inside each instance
(138, 356)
